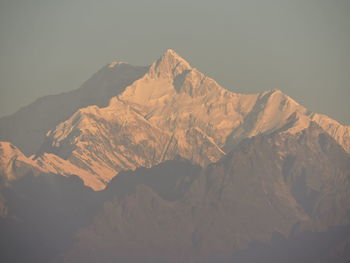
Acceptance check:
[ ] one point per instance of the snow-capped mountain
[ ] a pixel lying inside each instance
(188, 172)
(170, 109)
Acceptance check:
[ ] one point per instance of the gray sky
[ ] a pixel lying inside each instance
(299, 46)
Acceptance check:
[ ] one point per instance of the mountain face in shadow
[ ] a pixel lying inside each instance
(272, 192)
(328, 246)
(43, 212)
(161, 164)
(170, 180)
(253, 194)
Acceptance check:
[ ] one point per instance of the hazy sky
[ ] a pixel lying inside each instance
(299, 46)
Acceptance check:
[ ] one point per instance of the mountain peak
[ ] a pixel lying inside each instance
(169, 64)
(170, 53)
(114, 64)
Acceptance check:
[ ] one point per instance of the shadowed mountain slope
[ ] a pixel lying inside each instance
(284, 184)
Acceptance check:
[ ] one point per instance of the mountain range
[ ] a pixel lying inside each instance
(162, 164)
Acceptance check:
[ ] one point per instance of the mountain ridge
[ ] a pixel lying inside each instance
(153, 114)
(165, 165)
